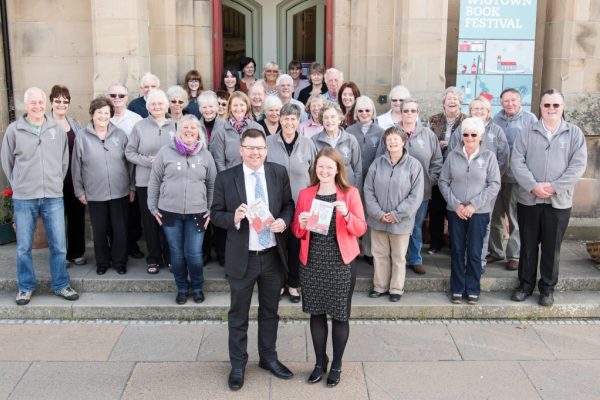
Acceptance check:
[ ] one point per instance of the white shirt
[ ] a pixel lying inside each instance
(126, 121)
(472, 155)
(250, 183)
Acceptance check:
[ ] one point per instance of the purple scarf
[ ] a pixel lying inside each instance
(239, 125)
(187, 150)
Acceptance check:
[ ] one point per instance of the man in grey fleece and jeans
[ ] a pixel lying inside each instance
(35, 159)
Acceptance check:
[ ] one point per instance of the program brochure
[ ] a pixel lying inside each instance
(320, 216)
(259, 215)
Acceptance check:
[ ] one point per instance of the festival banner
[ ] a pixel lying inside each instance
(496, 46)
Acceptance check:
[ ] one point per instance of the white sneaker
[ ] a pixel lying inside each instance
(23, 298)
(67, 293)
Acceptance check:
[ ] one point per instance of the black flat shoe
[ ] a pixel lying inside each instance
(318, 372)
(122, 270)
(101, 270)
(294, 298)
(236, 379)
(198, 296)
(181, 298)
(334, 377)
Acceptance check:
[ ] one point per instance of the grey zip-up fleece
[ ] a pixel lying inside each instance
(145, 140)
(348, 147)
(225, 144)
(181, 184)
(560, 161)
(512, 126)
(35, 165)
(371, 144)
(493, 139)
(297, 164)
(394, 188)
(476, 183)
(98, 167)
(425, 147)
(218, 123)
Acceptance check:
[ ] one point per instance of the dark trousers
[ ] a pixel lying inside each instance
(541, 226)
(437, 214)
(134, 225)
(266, 271)
(109, 219)
(75, 216)
(293, 278)
(156, 242)
(467, 239)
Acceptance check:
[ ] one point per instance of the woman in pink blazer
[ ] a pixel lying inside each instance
(328, 275)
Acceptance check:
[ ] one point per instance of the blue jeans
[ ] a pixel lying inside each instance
(467, 240)
(53, 216)
(185, 245)
(413, 255)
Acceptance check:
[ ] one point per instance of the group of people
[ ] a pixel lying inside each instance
(242, 170)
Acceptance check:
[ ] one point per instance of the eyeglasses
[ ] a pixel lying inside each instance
(180, 102)
(397, 100)
(272, 71)
(363, 111)
(193, 81)
(115, 95)
(61, 101)
(255, 148)
(473, 135)
(410, 111)
(223, 104)
(554, 105)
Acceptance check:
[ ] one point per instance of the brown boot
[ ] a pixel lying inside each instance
(491, 259)
(418, 268)
(512, 265)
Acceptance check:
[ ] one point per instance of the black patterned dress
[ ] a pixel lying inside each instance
(327, 283)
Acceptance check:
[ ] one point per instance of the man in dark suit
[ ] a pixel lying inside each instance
(253, 257)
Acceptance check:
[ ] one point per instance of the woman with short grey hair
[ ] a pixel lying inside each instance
(469, 182)
(208, 104)
(296, 153)
(272, 107)
(178, 101)
(394, 116)
(146, 139)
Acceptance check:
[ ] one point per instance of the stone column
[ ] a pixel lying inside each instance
(202, 32)
(162, 40)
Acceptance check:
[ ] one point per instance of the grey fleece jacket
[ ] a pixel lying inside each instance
(371, 144)
(98, 167)
(512, 126)
(348, 147)
(425, 147)
(225, 144)
(181, 184)
(145, 140)
(393, 188)
(35, 165)
(297, 164)
(560, 161)
(476, 183)
(493, 139)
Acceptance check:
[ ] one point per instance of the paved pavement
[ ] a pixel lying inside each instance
(410, 359)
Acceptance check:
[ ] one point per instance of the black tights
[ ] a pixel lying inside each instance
(340, 330)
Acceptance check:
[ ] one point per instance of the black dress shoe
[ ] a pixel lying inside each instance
(101, 269)
(122, 270)
(334, 377)
(546, 299)
(181, 298)
(277, 369)
(318, 372)
(395, 297)
(136, 253)
(236, 379)
(368, 259)
(198, 296)
(519, 294)
(375, 294)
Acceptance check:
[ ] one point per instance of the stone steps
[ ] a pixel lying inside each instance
(420, 305)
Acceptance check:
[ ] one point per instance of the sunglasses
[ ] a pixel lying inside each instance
(271, 71)
(410, 111)
(223, 104)
(180, 102)
(115, 95)
(61, 101)
(473, 135)
(363, 111)
(555, 105)
(397, 100)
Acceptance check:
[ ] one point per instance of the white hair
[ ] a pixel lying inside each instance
(284, 77)
(177, 91)
(114, 85)
(400, 91)
(473, 124)
(364, 102)
(334, 71)
(149, 77)
(31, 91)
(272, 101)
(208, 97)
(156, 95)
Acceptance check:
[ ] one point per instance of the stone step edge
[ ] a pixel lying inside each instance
(167, 285)
(161, 306)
